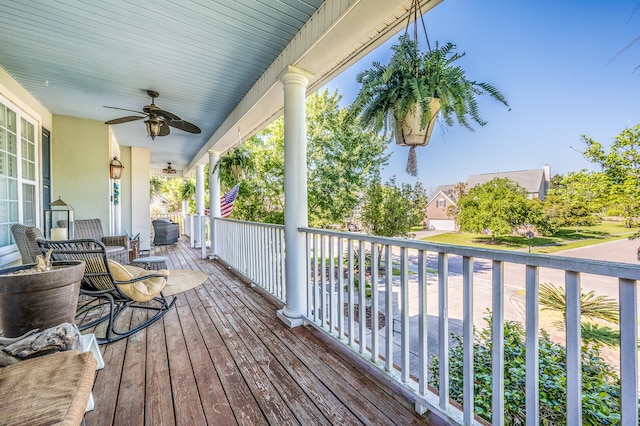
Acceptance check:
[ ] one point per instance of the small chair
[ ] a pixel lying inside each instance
(25, 237)
(106, 282)
(117, 245)
(165, 232)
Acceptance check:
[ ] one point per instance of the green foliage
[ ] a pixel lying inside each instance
(600, 382)
(593, 307)
(342, 158)
(391, 210)
(621, 165)
(574, 199)
(500, 206)
(237, 157)
(412, 78)
(554, 298)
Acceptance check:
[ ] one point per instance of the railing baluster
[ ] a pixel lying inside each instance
(388, 307)
(467, 338)
(316, 305)
(574, 352)
(362, 301)
(375, 337)
(341, 287)
(332, 286)
(308, 245)
(422, 321)
(351, 290)
(443, 328)
(532, 330)
(404, 311)
(497, 334)
(628, 291)
(323, 282)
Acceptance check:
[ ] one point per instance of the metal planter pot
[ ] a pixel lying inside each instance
(39, 300)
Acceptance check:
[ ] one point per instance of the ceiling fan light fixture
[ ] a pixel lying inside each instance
(153, 127)
(169, 170)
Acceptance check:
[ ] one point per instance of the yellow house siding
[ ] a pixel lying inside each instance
(80, 155)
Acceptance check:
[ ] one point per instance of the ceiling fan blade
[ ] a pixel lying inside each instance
(184, 126)
(125, 109)
(164, 129)
(124, 119)
(166, 114)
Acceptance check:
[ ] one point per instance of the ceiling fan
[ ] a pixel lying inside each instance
(157, 120)
(169, 170)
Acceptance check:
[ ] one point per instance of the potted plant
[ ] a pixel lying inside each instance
(405, 95)
(235, 162)
(36, 297)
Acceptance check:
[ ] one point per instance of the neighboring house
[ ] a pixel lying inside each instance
(436, 211)
(535, 182)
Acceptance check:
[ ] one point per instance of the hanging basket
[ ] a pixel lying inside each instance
(410, 133)
(238, 172)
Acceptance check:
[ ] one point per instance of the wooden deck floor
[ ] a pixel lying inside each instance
(221, 357)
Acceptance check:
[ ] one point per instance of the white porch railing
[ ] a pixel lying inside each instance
(436, 287)
(256, 250)
(433, 289)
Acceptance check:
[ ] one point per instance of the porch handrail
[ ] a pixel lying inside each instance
(331, 287)
(256, 250)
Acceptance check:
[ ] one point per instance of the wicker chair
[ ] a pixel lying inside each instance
(165, 232)
(117, 246)
(25, 237)
(108, 284)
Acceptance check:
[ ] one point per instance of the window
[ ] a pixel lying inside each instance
(18, 171)
(441, 203)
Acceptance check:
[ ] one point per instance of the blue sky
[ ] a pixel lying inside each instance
(550, 60)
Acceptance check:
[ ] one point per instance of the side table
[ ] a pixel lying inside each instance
(151, 262)
(134, 249)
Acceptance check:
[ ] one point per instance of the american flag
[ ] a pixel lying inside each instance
(228, 200)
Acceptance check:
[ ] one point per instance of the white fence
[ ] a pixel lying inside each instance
(426, 290)
(256, 250)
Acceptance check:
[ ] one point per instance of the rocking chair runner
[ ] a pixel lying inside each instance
(106, 282)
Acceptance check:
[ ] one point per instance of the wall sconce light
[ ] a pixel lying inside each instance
(153, 127)
(115, 168)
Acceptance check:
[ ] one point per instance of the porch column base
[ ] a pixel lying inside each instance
(290, 322)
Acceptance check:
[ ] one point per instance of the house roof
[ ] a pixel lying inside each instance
(446, 190)
(528, 179)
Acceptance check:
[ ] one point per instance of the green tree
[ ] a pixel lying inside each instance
(341, 159)
(621, 165)
(261, 195)
(599, 308)
(391, 210)
(575, 199)
(500, 206)
(600, 383)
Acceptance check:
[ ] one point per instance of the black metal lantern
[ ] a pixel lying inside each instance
(58, 221)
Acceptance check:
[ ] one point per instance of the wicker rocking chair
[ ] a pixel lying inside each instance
(108, 283)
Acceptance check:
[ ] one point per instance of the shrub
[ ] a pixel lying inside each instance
(601, 384)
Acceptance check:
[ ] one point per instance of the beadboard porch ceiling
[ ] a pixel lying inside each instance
(216, 64)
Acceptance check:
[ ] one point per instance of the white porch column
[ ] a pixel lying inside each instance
(214, 198)
(295, 195)
(199, 202)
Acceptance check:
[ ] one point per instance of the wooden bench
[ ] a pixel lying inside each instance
(50, 389)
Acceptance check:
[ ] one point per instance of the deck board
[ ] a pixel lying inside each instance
(222, 357)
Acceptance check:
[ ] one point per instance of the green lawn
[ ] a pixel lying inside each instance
(565, 238)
